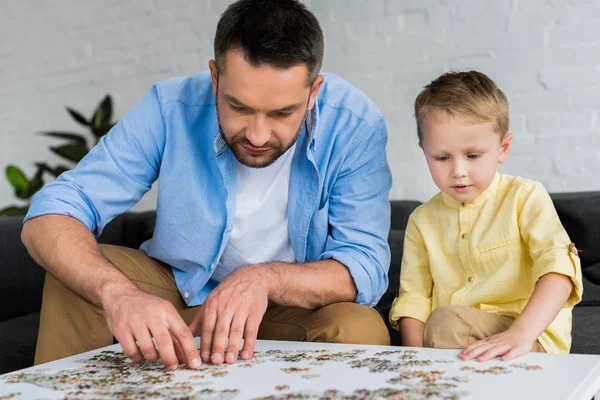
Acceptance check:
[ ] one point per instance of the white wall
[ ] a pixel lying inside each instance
(544, 54)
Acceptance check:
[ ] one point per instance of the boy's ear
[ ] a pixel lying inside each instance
(505, 148)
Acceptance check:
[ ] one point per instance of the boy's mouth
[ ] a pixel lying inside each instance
(461, 187)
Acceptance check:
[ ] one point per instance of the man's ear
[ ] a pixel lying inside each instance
(214, 75)
(314, 90)
(505, 148)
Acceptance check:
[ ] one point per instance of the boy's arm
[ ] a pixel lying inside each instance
(412, 307)
(411, 332)
(557, 270)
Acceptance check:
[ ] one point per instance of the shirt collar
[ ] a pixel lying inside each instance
(480, 199)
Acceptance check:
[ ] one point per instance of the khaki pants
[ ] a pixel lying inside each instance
(451, 327)
(70, 325)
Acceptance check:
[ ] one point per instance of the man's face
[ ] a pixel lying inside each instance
(261, 109)
(462, 158)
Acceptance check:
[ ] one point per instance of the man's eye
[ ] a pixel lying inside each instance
(282, 114)
(238, 108)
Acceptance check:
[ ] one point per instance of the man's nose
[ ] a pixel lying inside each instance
(258, 132)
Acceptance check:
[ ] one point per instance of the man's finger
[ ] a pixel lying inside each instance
(219, 339)
(235, 337)
(250, 334)
(187, 346)
(146, 344)
(209, 319)
(164, 342)
(130, 348)
(195, 326)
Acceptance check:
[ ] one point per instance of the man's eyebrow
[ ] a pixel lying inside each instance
(236, 102)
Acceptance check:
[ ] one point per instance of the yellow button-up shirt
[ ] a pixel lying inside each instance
(487, 253)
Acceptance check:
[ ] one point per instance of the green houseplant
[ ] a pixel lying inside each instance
(73, 150)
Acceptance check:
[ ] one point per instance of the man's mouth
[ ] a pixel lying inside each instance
(256, 151)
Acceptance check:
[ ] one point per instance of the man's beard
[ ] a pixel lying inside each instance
(262, 161)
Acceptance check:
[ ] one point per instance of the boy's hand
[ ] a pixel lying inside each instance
(506, 345)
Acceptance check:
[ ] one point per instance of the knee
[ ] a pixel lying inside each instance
(353, 323)
(441, 321)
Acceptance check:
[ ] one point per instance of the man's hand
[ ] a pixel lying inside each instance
(234, 310)
(135, 316)
(506, 345)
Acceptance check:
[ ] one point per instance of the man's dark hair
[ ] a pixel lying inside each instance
(279, 33)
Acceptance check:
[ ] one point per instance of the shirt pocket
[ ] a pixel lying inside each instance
(498, 253)
(498, 245)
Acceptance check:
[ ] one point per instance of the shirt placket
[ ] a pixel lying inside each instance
(465, 216)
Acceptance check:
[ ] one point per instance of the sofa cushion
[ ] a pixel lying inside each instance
(580, 215)
(586, 322)
(18, 337)
(22, 279)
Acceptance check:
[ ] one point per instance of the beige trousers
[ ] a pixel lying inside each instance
(452, 327)
(70, 325)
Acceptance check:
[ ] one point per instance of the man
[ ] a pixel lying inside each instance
(272, 212)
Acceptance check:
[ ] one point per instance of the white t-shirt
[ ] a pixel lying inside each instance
(260, 232)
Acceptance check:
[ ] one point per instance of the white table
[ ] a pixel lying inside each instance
(313, 370)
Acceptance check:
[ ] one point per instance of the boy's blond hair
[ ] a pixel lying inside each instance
(468, 96)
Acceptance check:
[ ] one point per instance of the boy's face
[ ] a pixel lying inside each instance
(462, 158)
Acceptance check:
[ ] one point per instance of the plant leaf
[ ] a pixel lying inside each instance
(78, 117)
(18, 180)
(103, 113)
(13, 210)
(56, 171)
(72, 152)
(102, 130)
(74, 137)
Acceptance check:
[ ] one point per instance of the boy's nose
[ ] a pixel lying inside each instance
(459, 171)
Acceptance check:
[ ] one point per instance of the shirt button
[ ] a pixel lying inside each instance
(464, 235)
(470, 278)
(212, 266)
(186, 295)
(464, 203)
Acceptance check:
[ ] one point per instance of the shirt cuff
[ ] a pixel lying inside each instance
(407, 305)
(368, 287)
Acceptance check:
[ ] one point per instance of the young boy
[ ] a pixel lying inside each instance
(487, 266)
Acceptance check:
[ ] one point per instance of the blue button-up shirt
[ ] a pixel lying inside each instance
(338, 204)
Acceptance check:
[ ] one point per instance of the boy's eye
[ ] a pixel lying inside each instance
(441, 158)
(473, 156)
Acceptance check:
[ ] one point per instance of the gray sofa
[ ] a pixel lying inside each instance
(21, 279)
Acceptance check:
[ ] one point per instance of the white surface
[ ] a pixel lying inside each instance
(544, 54)
(560, 377)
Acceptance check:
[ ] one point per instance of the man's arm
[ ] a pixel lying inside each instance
(310, 285)
(72, 254)
(64, 216)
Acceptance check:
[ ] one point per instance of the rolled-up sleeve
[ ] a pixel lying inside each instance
(549, 244)
(114, 175)
(416, 283)
(359, 214)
